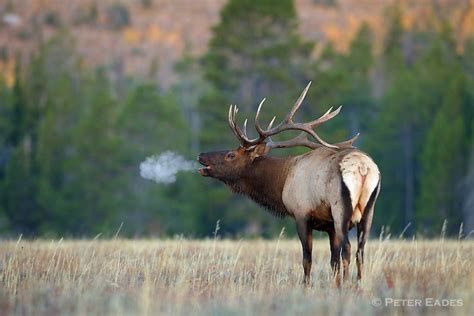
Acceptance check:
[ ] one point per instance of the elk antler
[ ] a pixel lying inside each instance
(286, 124)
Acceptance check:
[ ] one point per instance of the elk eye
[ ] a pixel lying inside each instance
(230, 155)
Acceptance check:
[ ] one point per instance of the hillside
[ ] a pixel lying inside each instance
(146, 37)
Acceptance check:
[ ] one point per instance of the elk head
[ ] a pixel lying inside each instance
(231, 165)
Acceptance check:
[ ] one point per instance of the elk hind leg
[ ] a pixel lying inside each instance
(339, 241)
(363, 230)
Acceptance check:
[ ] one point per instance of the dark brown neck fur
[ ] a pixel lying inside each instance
(263, 182)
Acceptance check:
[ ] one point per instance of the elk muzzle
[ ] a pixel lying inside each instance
(203, 159)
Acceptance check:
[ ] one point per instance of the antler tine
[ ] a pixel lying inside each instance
(232, 122)
(327, 112)
(259, 108)
(234, 117)
(245, 128)
(326, 116)
(232, 112)
(289, 117)
(271, 123)
(230, 117)
(348, 143)
(257, 123)
(242, 137)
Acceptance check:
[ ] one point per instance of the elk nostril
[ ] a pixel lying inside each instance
(201, 159)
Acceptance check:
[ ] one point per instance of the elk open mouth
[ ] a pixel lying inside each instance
(204, 171)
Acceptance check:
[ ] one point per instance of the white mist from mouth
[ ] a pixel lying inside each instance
(164, 167)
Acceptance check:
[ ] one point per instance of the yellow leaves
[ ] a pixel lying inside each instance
(7, 71)
(353, 23)
(467, 27)
(340, 37)
(334, 34)
(157, 35)
(408, 20)
(132, 35)
(154, 34)
(173, 38)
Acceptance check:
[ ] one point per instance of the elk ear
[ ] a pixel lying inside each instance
(260, 150)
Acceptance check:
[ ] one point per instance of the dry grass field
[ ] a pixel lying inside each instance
(223, 277)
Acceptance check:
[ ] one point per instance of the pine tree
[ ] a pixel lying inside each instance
(468, 186)
(400, 126)
(443, 158)
(189, 90)
(358, 100)
(468, 178)
(416, 78)
(6, 128)
(344, 79)
(19, 184)
(255, 52)
(59, 177)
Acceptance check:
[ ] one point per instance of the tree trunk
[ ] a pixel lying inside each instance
(408, 172)
(468, 201)
(354, 123)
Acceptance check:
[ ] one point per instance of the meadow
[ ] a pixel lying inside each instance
(228, 277)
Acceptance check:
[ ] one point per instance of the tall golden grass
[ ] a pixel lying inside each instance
(224, 277)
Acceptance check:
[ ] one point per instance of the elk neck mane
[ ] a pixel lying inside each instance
(263, 182)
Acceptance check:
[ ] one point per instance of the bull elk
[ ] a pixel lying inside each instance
(331, 188)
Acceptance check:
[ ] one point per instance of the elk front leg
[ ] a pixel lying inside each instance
(341, 211)
(305, 234)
